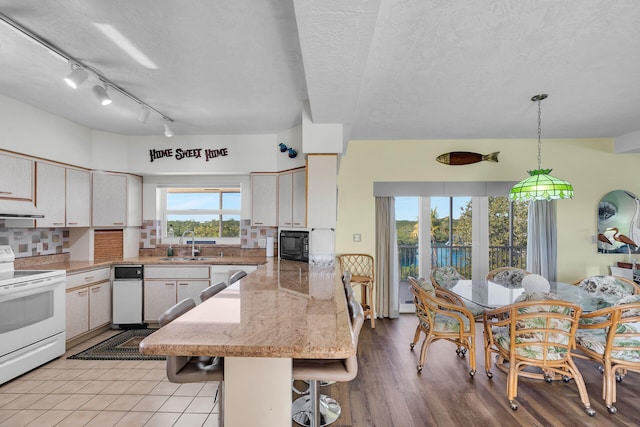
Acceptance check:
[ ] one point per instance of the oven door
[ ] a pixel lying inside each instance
(31, 313)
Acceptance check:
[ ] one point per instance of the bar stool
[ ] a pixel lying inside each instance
(315, 409)
(361, 267)
(187, 369)
(348, 292)
(236, 276)
(211, 291)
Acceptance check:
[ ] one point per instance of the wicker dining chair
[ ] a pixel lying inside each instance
(446, 277)
(361, 267)
(534, 334)
(439, 319)
(611, 337)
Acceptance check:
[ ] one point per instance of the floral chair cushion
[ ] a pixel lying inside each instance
(426, 285)
(447, 276)
(444, 323)
(596, 340)
(534, 351)
(607, 288)
(628, 300)
(509, 278)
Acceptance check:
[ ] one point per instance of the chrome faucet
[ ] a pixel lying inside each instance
(194, 251)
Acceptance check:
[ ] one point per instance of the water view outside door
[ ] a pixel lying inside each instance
(451, 234)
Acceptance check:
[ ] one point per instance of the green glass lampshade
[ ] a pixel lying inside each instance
(541, 186)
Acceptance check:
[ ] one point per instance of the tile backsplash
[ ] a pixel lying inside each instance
(151, 232)
(24, 241)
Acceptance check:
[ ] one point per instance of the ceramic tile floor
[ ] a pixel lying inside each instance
(105, 393)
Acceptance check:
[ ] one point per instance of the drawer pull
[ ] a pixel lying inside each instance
(83, 293)
(87, 278)
(96, 289)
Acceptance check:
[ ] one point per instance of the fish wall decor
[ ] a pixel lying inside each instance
(456, 158)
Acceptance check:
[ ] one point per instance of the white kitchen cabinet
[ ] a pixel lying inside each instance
(78, 198)
(88, 301)
(16, 177)
(109, 199)
(190, 289)
(77, 311)
(264, 199)
(99, 305)
(292, 198)
(159, 295)
(219, 273)
(50, 195)
(116, 200)
(165, 285)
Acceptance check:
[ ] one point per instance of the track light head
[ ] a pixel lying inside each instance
(101, 93)
(167, 131)
(76, 77)
(144, 114)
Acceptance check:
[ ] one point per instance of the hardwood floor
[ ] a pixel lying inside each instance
(389, 392)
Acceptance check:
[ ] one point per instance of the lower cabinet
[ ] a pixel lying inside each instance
(166, 285)
(88, 301)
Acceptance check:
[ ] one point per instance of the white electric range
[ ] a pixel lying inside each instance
(32, 316)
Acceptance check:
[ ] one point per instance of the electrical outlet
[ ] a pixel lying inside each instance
(262, 243)
(357, 237)
(39, 247)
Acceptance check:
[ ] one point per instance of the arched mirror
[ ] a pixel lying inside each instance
(618, 227)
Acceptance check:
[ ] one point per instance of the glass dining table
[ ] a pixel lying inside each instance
(491, 295)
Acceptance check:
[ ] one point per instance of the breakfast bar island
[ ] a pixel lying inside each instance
(283, 311)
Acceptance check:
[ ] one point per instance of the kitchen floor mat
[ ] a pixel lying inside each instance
(123, 346)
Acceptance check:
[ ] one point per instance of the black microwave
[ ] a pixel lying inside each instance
(294, 245)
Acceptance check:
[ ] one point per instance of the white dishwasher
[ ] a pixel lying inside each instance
(127, 296)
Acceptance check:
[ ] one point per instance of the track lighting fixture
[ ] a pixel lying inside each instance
(101, 93)
(144, 114)
(167, 131)
(81, 72)
(76, 77)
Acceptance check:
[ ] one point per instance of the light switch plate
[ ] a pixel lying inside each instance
(39, 247)
(357, 237)
(262, 243)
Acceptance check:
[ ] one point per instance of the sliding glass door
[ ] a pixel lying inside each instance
(473, 234)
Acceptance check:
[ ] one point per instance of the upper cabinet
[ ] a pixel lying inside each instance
(116, 200)
(279, 199)
(78, 203)
(50, 194)
(264, 199)
(292, 198)
(16, 178)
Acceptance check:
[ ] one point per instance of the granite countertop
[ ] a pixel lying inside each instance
(37, 263)
(283, 309)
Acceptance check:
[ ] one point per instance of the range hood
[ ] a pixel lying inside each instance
(20, 216)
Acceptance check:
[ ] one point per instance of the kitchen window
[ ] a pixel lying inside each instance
(213, 214)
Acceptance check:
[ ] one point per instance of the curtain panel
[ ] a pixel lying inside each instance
(387, 274)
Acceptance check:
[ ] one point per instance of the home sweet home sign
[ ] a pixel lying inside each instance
(191, 153)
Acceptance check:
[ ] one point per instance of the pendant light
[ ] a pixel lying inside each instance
(540, 185)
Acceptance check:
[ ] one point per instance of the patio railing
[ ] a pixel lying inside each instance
(459, 256)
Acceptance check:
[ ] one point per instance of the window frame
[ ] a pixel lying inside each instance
(164, 212)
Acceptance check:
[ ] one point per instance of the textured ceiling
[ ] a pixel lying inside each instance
(386, 69)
